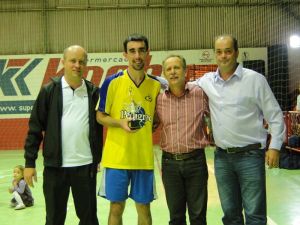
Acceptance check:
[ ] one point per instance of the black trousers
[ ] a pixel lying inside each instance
(185, 183)
(57, 184)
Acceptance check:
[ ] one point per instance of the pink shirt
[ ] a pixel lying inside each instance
(182, 120)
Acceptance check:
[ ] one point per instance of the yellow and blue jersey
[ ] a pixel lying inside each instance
(121, 98)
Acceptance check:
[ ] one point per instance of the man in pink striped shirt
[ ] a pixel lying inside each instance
(181, 110)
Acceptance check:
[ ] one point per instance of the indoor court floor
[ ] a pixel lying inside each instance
(283, 192)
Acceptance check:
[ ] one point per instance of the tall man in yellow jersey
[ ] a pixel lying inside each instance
(126, 107)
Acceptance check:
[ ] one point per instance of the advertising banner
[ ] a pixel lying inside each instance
(22, 76)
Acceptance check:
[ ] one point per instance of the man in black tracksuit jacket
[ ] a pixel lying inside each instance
(50, 121)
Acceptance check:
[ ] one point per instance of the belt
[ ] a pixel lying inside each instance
(183, 156)
(240, 149)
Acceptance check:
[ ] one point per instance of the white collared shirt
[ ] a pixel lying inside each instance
(76, 149)
(238, 107)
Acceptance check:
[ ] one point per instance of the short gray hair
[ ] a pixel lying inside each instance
(182, 59)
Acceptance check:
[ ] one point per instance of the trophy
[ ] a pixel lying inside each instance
(134, 123)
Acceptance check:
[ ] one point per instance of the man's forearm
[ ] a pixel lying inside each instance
(107, 120)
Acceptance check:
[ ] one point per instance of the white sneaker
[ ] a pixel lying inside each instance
(20, 206)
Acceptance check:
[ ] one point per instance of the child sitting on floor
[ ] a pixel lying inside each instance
(22, 196)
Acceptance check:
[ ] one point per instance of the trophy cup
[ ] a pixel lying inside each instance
(134, 123)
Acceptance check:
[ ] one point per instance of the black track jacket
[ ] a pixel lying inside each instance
(45, 125)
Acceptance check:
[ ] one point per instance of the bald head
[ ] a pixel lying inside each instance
(74, 61)
(228, 37)
(75, 48)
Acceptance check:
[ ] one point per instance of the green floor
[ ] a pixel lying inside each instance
(283, 188)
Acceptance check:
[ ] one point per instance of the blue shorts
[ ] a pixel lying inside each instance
(116, 182)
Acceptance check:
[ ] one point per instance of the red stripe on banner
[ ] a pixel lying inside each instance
(13, 133)
(17, 62)
(52, 70)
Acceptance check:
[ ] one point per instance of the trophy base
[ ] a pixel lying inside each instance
(134, 124)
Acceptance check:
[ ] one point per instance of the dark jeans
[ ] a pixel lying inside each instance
(57, 184)
(185, 183)
(241, 182)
